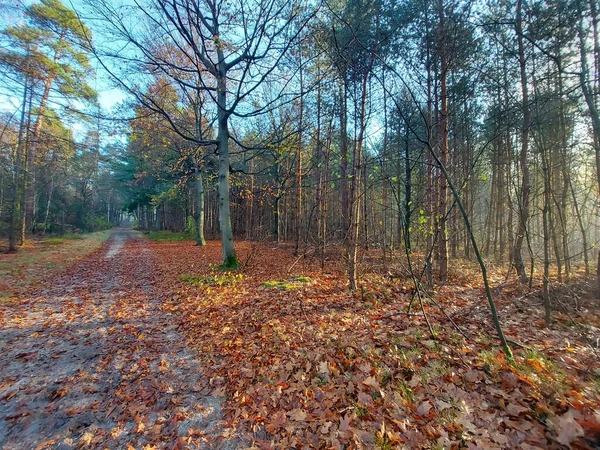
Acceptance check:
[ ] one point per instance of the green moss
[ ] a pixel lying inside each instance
(230, 263)
(405, 392)
(545, 373)
(168, 236)
(360, 411)
(383, 443)
(293, 282)
(75, 236)
(300, 279)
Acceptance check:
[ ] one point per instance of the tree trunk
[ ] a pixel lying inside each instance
(586, 258)
(298, 230)
(355, 193)
(444, 150)
(229, 256)
(546, 237)
(159, 218)
(14, 207)
(50, 193)
(344, 160)
(407, 192)
(199, 207)
(525, 184)
(593, 110)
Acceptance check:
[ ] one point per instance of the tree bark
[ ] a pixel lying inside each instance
(525, 183)
(298, 224)
(444, 148)
(14, 207)
(593, 110)
(344, 160)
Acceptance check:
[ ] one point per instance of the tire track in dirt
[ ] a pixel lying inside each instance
(94, 362)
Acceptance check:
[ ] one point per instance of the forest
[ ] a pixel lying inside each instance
(369, 223)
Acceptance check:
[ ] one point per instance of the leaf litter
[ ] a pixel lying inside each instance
(93, 362)
(122, 352)
(319, 367)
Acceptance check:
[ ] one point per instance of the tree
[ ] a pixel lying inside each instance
(231, 49)
(47, 52)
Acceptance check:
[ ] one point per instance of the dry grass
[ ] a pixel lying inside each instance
(40, 259)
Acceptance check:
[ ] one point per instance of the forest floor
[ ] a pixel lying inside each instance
(42, 257)
(147, 344)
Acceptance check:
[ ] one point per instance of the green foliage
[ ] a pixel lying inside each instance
(48, 46)
(54, 241)
(360, 411)
(405, 392)
(543, 372)
(491, 361)
(73, 237)
(230, 263)
(190, 226)
(168, 236)
(293, 282)
(100, 223)
(383, 443)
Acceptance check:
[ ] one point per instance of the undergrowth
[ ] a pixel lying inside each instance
(168, 236)
(293, 282)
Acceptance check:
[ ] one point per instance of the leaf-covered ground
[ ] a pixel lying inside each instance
(40, 258)
(91, 361)
(305, 364)
(149, 345)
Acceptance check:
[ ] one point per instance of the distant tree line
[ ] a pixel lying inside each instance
(417, 128)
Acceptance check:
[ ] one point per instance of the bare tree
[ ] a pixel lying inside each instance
(230, 48)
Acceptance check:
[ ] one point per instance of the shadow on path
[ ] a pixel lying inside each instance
(93, 362)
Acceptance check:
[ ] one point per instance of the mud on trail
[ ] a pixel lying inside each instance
(92, 361)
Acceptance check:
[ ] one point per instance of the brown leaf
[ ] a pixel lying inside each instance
(297, 414)
(567, 428)
(424, 408)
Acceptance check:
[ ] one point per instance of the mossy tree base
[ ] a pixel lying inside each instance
(230, 263)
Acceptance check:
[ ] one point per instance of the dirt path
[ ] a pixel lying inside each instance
(94, 362)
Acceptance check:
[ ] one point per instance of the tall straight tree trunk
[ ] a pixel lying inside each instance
(158, 223)
(50, 193)
(524, 165)
(26, 145)
(298, 230)
(198, 177)
(250, 202)
(546, 236)
(586, 258)
(429, 202)
(229, 256)
(508, 158)
(199, 184)
(325, 190)
(407, 192)
(14, 207)
(355, 192)
(593, 110)
(365, 203)
(29, 218)
(344, 159)
(277, 218)
(444, 149)
(384, 187)
(319, 170)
